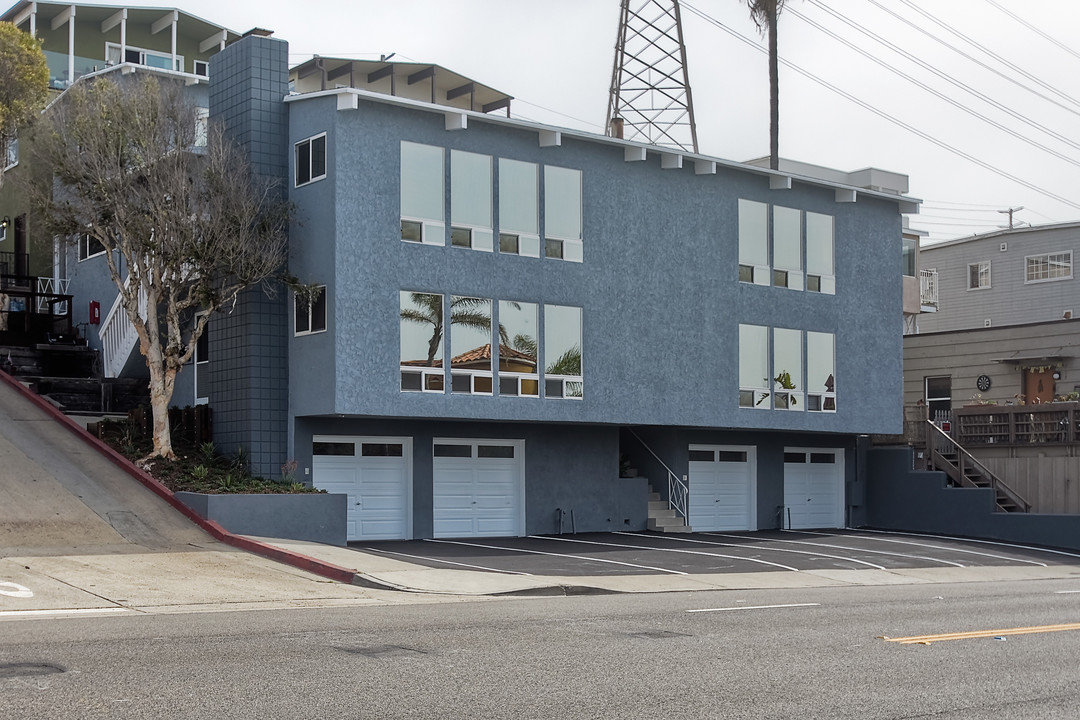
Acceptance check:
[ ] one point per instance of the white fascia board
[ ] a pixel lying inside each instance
(67, 14)
(369, 96)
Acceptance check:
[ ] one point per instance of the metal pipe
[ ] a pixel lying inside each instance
(573, 523)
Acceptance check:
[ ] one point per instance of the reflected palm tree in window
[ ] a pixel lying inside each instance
(464, 311)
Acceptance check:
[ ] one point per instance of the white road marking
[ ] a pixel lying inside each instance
(16, 591)
(539, 552)
(755, 607)
(446, 562)
(841, 547)
(674, 550)
(1065, 592)
(925, 545)
(68, 611)
(972, 540)
(780, 550)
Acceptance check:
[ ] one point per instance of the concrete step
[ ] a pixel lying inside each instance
(668, 525)
(654, 497)
(657, 506)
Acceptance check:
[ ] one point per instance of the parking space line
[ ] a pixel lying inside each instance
(1065, 592)
(68, 611)
(972, 540)
(755, 607)
(780, 550)
(447, 562)
(674, 550)
(551, 554)
(841, 547)
(933, 547)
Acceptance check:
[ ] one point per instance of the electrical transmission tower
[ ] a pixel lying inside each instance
(650, 97)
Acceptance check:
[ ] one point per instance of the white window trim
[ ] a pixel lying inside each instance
(1047, 256)
(196, 362)
(989, 276)
(519, 378)
(8, 153)
(472, 375)
(310, 308)
(474, 230)
(84, 241)
(205, 65)
(313, 178)
(178, 66)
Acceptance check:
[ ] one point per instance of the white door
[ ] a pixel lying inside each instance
(723, 488)
(813, 488)
(479, 488)
(375, 474)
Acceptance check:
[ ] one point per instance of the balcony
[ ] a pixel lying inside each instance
(1055, 423)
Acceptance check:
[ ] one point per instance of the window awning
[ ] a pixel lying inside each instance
(1024, 356)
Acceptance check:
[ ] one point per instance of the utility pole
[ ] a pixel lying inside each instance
(650, 98)
(1010, 212)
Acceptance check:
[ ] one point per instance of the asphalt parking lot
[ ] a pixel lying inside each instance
(712, 552)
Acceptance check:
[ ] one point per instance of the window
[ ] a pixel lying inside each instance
(470, 345)
(1051, 266)
(753, 242)
(423, 210)
(310, 317)
(89, 247)
(979, 275)
(202, 366)
(310, 160)
(519, 208)
(787, 369)
(11, 153)
(421, 342)
(820, 274)
(787, 248)
(938, 395)
(518, 374)
(470, 200)
(562, 352)
(562, 214)
(141, 56)
(202, 68)
(820, 372)
(907, 256)
(753, 366)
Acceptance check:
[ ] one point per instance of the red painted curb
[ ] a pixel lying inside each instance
(216, 531)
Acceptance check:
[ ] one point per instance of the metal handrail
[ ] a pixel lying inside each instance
(963, 460)
(678, 491)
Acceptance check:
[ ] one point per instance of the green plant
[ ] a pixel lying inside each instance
(288, 471)
(208, 451)
(240, 459)
(226, 482)
(200, 472)
(298, 487)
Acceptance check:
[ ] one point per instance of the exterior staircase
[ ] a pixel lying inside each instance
(662, 517)
(948, 456)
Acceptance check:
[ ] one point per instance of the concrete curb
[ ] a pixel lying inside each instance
(303, 562)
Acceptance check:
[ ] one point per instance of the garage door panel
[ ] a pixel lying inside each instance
(479, 492)
(814, 488)
(722, 490)
(376, 486)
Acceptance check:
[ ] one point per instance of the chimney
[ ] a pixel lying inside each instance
(616, 129)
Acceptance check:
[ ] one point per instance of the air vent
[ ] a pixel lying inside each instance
(1004, 246)
(986, 322)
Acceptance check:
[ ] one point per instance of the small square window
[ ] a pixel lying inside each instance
(509, 243)
(412, 231)
(310, 160)
(746, 273)
(553, 249)
(89, 247)
(780, 278)
(813, 283)
(310, 317)
(979, 275)
(461, 237)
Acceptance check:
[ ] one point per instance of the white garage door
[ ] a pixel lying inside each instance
(723, 488)
(375, 474)
(813, 488)
(479, 488)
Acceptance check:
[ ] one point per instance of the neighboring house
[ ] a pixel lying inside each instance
(1001, 356)
(510, 312)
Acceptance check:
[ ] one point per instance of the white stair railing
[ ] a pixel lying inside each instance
(51, 286)
(118, 335)
(678, 490)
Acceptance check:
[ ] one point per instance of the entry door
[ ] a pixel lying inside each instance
(479, 488)
(376, 475)
(813, 488)
(723, 488)
(1038, 386)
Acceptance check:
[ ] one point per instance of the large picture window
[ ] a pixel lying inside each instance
(1051, 266)
(310, 160)
(820, 271)
(470, 345)
(423, 199)
(519, 208)
(562, 352)
(470, 200)
(753, 242)
(421, 318)
(787, 248)
(820, 372)
(562, 214)
(518, 346)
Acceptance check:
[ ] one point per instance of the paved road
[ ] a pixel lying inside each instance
(814, 653)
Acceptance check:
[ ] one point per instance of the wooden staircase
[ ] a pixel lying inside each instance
(662, 517)
(965, 471)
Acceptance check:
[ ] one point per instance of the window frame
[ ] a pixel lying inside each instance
(431, 231)
(1028, 280)
(556, 246)
(11, 153)
(979, 265)
(310, 311)
(84, 247)
(311, 177)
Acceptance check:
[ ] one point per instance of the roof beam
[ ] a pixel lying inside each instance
(164, 21)
(496, 105)
(216, 39)
(671, 161)
(376, 75)
(634, 153)
(113, 20)
(456, 121)
(550, 138)
(25, 15)
(339, 71)
(704, 167)
(424, 74)
(460, 90)
(66, 15)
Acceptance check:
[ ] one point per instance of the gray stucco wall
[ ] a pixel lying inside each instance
(899, 498)
(1009, 300)
(315, 517)
(658, 285)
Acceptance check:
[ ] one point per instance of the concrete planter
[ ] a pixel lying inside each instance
(316, 517)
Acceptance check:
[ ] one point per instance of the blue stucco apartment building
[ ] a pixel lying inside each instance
(515, 316)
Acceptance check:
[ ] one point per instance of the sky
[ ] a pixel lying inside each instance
(1020, 148)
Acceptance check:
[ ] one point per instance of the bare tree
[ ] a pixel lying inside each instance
(764, 13)
(185, 224)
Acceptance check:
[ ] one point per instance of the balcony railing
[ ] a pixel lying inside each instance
(1046, 423)
(928, 287)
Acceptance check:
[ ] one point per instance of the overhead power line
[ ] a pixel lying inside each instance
(886, 116)
(1034, 29)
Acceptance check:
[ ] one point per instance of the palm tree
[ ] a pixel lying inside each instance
(464, 311)
(764, 14)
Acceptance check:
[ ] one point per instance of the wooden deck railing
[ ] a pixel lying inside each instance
(985, 425)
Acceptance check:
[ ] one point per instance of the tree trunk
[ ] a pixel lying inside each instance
(161, 391)
(774, 93)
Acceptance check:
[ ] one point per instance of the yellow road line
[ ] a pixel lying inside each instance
(927, 639)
